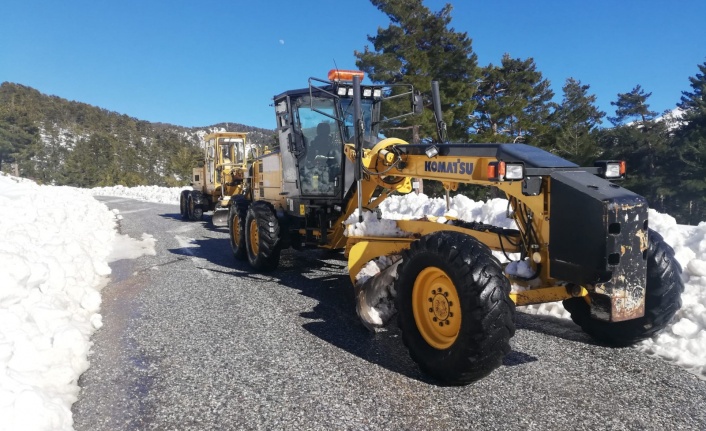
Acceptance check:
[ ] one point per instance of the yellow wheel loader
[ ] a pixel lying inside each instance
(221, 176)
(581, 238)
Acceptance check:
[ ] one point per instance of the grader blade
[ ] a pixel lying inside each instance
(220, 217)
(375, 298)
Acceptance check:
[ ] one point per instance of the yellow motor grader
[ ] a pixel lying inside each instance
(221, 175)
(585, 239)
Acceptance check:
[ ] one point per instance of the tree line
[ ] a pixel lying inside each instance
(512, 102)
(56, 141)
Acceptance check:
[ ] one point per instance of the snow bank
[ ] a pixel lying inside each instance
(53, 259)
(54, 253)
(164, 195)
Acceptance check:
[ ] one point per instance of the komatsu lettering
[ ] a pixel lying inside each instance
(457, 167)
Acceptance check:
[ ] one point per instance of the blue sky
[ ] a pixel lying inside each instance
(199, 63)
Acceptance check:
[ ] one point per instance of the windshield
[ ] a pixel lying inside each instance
(320, 164)
(367, 106)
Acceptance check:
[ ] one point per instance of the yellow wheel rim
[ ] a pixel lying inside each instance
(254, 238)
(235, 231)
(436, 307)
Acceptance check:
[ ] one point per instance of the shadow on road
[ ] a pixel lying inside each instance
(322, 276)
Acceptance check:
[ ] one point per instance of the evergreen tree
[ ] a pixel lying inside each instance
(632, 106)
(575, 120)
(691, 148)
(419, 46)
(513, 102)
(646, 146)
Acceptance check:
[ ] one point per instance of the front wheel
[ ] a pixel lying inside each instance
(262, 237)
(454, 307)
(662, 300)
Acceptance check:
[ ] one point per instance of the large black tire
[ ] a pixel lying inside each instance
(193, 211)
(237, 214)
(454, 307)
(262, 237)
(662, 300)
(183, 197)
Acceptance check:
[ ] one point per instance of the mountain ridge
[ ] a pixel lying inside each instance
(63, 142)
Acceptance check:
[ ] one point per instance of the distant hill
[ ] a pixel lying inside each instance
(62, 142)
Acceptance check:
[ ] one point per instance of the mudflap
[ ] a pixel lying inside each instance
(220, 217)
(374, 298)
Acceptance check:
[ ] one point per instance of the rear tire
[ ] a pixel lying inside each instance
(662, 300)
(237, 214)
(454, 307)
(183, 197)
(194, 211)
(262, 237)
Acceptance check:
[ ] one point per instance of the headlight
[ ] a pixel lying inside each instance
(367, 92)
(611, 169)
(377, 93)
(501, 171)
(514, 172)
(341, 91)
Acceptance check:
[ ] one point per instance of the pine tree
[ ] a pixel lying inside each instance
(513, 102)
(691, 147)
(575, 121)
(646, 146)
(417, 47)
(632, 106)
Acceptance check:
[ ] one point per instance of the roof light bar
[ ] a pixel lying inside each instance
(344, 75)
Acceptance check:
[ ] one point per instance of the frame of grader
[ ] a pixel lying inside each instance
(582, 238)
(221, 175)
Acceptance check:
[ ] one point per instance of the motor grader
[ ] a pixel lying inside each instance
(585, 240)
(221, 175)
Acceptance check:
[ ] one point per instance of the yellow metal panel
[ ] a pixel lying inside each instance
(361, 250)
(546, 294)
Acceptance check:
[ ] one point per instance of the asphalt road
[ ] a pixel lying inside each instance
(193, 340)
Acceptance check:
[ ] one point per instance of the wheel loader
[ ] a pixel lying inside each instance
(220, 176)
(582, 238)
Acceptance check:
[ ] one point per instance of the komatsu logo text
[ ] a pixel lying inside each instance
(457, 167)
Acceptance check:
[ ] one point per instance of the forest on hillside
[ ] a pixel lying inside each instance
(56, 141)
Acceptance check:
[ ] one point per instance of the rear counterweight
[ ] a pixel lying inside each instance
(598, 239)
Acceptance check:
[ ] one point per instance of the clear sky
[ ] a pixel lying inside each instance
(197, 63)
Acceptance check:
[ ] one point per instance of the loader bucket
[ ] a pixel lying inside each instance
(220, 217)
(375, 298)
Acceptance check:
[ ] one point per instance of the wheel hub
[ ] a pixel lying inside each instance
(441, 306)
(236, 230)
(435, 304)
(254, 238)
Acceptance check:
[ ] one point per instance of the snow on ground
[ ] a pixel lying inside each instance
(57, 243)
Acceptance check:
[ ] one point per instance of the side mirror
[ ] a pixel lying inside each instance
(418, 106)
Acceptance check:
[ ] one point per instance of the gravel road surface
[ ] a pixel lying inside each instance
(194, 340)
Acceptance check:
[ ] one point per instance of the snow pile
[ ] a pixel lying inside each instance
(684, 342)
(53, 258)
(164, 195)
(54, 253)
(371, 226)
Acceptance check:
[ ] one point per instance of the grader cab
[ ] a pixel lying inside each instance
(582, 238)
